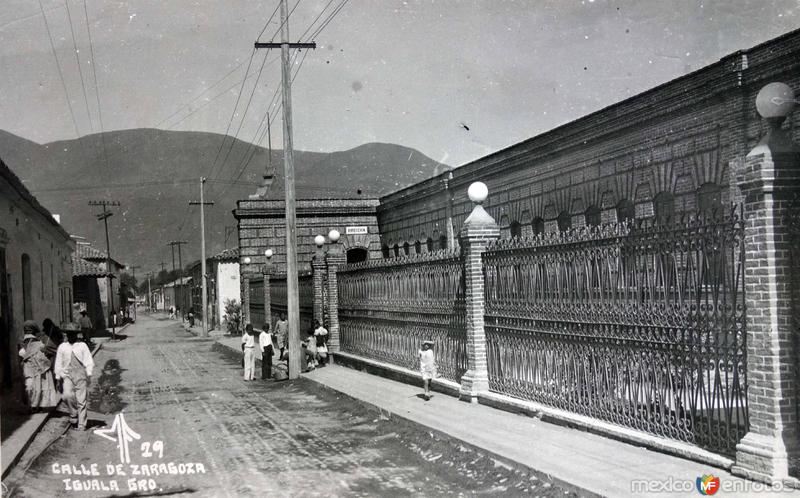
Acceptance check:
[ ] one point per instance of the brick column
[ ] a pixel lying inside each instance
(245, 299)
(318, 267)
(478, 230)
(769, 182)
(266, 271)
(449, 229)
(334, 258)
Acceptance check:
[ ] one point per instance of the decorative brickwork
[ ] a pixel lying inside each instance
(770, 181)
(334, 259)
(245, 298)
(478, 231)
(266, 271)
(319, 268)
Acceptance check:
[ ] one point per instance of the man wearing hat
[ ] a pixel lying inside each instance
(74, 365)
(86, 326)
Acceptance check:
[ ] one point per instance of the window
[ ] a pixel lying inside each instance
(357, 255)
(396, 251)
(429, 243)
(537, 225)
(385, 251)
(625, 210)
(516, 229)
(27, 297)
(442, 242)
(664, 207)
(564, 221)
(592, 216)
(709, 199)
(406, 249)
(418, 247)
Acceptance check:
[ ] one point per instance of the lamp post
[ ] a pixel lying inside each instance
(318, 267)
(245, 293)
(334, 258)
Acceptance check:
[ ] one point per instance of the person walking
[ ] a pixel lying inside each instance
(281, 333)
(85, 323)
(40, 390)
(427, 367)
(74, 366)
(265, 343)
(310, 348)
(249, 345)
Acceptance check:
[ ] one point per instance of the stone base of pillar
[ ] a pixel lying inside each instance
(473, 384)
(765, 459)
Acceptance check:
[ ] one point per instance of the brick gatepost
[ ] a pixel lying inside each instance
(245, 299)
(334, 258)
(318, 268)
(769, 182)
(477, 231)
(266, 271)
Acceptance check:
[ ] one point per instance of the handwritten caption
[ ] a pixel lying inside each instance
(134, 476)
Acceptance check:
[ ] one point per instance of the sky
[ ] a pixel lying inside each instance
(455, 79)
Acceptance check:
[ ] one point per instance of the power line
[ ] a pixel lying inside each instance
(60, 72)
(78, 62)
(329, 19)
(96, 87)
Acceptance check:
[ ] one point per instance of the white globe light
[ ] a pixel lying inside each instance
(478, 192)
(319, 240)
(247, 261)
(334, 235)
(268, 253)
(775, 100)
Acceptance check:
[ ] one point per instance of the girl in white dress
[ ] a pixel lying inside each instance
(427, 366)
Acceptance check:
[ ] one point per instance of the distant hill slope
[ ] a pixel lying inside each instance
(155, 173)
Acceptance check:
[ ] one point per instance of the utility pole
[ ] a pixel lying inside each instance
(104, 216)
(150, 292)
(293, 299)
(163, 295)
(133, 269)
(204, 297)
(179, 285)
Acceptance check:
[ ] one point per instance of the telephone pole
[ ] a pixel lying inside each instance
(204, 297)
(293, 304)
(133, 269)
(104, 216)
(150, 292)
(179, 286)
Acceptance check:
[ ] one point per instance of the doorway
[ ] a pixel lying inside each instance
(357, 255)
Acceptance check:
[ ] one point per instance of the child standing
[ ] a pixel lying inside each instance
(249, 344)
(427, 367)
(265, 343)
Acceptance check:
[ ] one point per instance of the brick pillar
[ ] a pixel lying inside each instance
(245, 299)
(334, 258)
(478, 230)
(450, 230)
(318, 267)
(266, 272)
(769, 182)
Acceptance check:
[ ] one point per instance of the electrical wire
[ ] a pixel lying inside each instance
(78, 63)
(96, 86)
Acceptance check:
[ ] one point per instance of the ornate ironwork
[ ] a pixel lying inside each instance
(642, 326)
(278, 300)
(388, 307)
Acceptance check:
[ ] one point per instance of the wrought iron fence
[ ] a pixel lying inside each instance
(639, 325)
(278, 300)
(257, 315)
(388, 307)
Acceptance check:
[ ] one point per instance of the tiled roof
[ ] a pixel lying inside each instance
(227, 255)
(83, 268)
(90, 253)
(178, 281)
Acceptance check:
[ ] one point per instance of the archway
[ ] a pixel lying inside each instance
(357, 255)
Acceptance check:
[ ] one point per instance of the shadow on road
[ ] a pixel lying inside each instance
(105, 397)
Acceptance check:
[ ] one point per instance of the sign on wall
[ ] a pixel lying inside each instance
(355, 230)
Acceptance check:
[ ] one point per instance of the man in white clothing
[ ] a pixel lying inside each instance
(265, 343)
(73, 367)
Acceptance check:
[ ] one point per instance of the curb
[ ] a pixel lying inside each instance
(12, 463)
(505, 461)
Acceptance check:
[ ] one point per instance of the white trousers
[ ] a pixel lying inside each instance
(249, 363)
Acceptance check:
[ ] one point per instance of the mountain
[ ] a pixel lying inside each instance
(155, 173)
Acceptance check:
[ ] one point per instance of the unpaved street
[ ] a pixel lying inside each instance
(202, 430)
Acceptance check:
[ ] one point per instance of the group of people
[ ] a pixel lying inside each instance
(55, 369)
(315, 347)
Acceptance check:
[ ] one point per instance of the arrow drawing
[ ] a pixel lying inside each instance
(124, 436)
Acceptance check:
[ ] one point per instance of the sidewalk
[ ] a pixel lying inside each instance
(589, 463)
(19, 440)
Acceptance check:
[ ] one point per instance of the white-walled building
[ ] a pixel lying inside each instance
(223, 270)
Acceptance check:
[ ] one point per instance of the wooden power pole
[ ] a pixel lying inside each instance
(104, 216)
(178, 288)
(204, 297)
(293, 299)
(133, 269)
